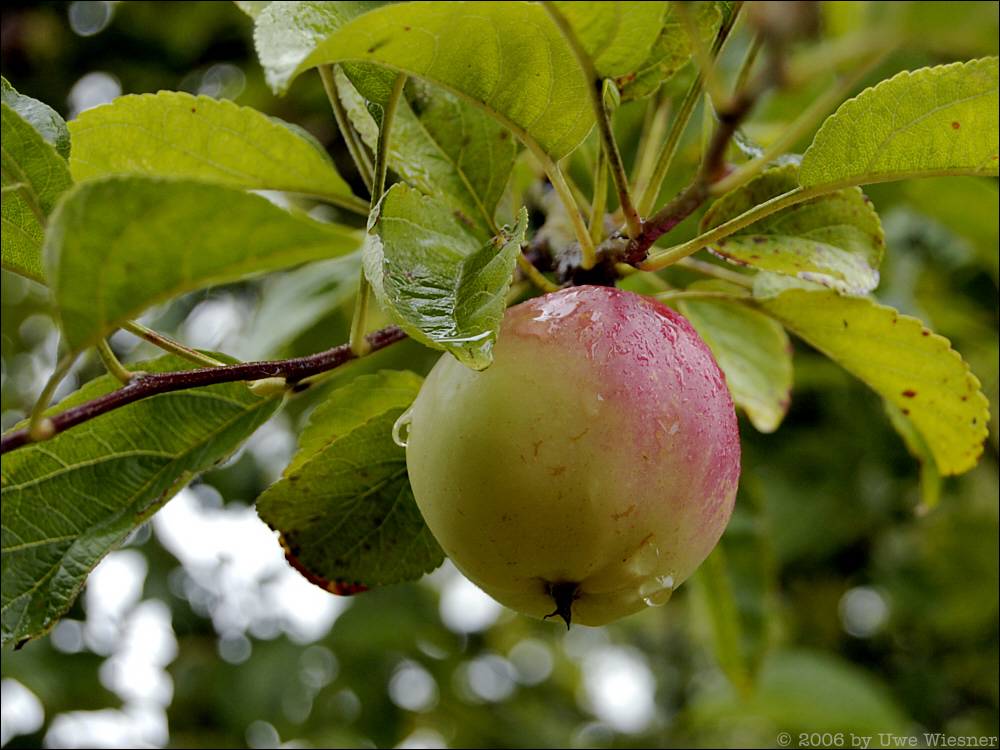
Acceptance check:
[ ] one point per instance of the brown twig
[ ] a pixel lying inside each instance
(144, 386)
(668, 150)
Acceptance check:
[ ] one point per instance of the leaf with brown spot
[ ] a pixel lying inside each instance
(905, 127)
(891, 353)
(834, 240)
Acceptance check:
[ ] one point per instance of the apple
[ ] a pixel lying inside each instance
(591, 468)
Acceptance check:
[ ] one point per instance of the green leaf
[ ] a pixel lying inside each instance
(715, 599)
(252, 8)
(119, 245)
(451, 149)
(40, 115)
(33, 176)
(734, 593)
(438, 281)
(286, 33)
(291, 303)
(951, 30)
(930, 478)
(70, 500)
(908, 365)
(818, 692)
(753, 352)
(965, 205)
(372, 87)
(618, 36)
(804, 691)
(180, 135)
(508, 58)
(753, 576)
(344, 507)
(835, 239)
(670, 52)
(933, 121)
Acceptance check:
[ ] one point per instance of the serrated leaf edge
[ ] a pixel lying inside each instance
(944, 345)
(824, 131)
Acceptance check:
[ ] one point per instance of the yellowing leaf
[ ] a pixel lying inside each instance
(752, 351)
(835, 239)
(930, 479)
(908, 365)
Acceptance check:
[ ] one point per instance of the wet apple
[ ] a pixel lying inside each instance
(591, 468)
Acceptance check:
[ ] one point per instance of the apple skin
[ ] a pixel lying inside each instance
(591, 468)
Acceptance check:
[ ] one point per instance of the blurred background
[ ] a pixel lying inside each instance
(837, 602)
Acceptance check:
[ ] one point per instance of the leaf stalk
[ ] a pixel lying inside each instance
(595, 88)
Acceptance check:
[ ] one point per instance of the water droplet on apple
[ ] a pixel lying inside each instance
(644, 560)
(658, 599)
(401, 429)
(555, 307)
(656, 591)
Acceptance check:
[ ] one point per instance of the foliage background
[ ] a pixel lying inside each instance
(857, 613)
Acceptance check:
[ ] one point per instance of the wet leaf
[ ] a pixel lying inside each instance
(441, 145)
(439, 282)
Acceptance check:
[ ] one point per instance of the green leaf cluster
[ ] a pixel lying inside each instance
(155, 196)
(71, 500)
